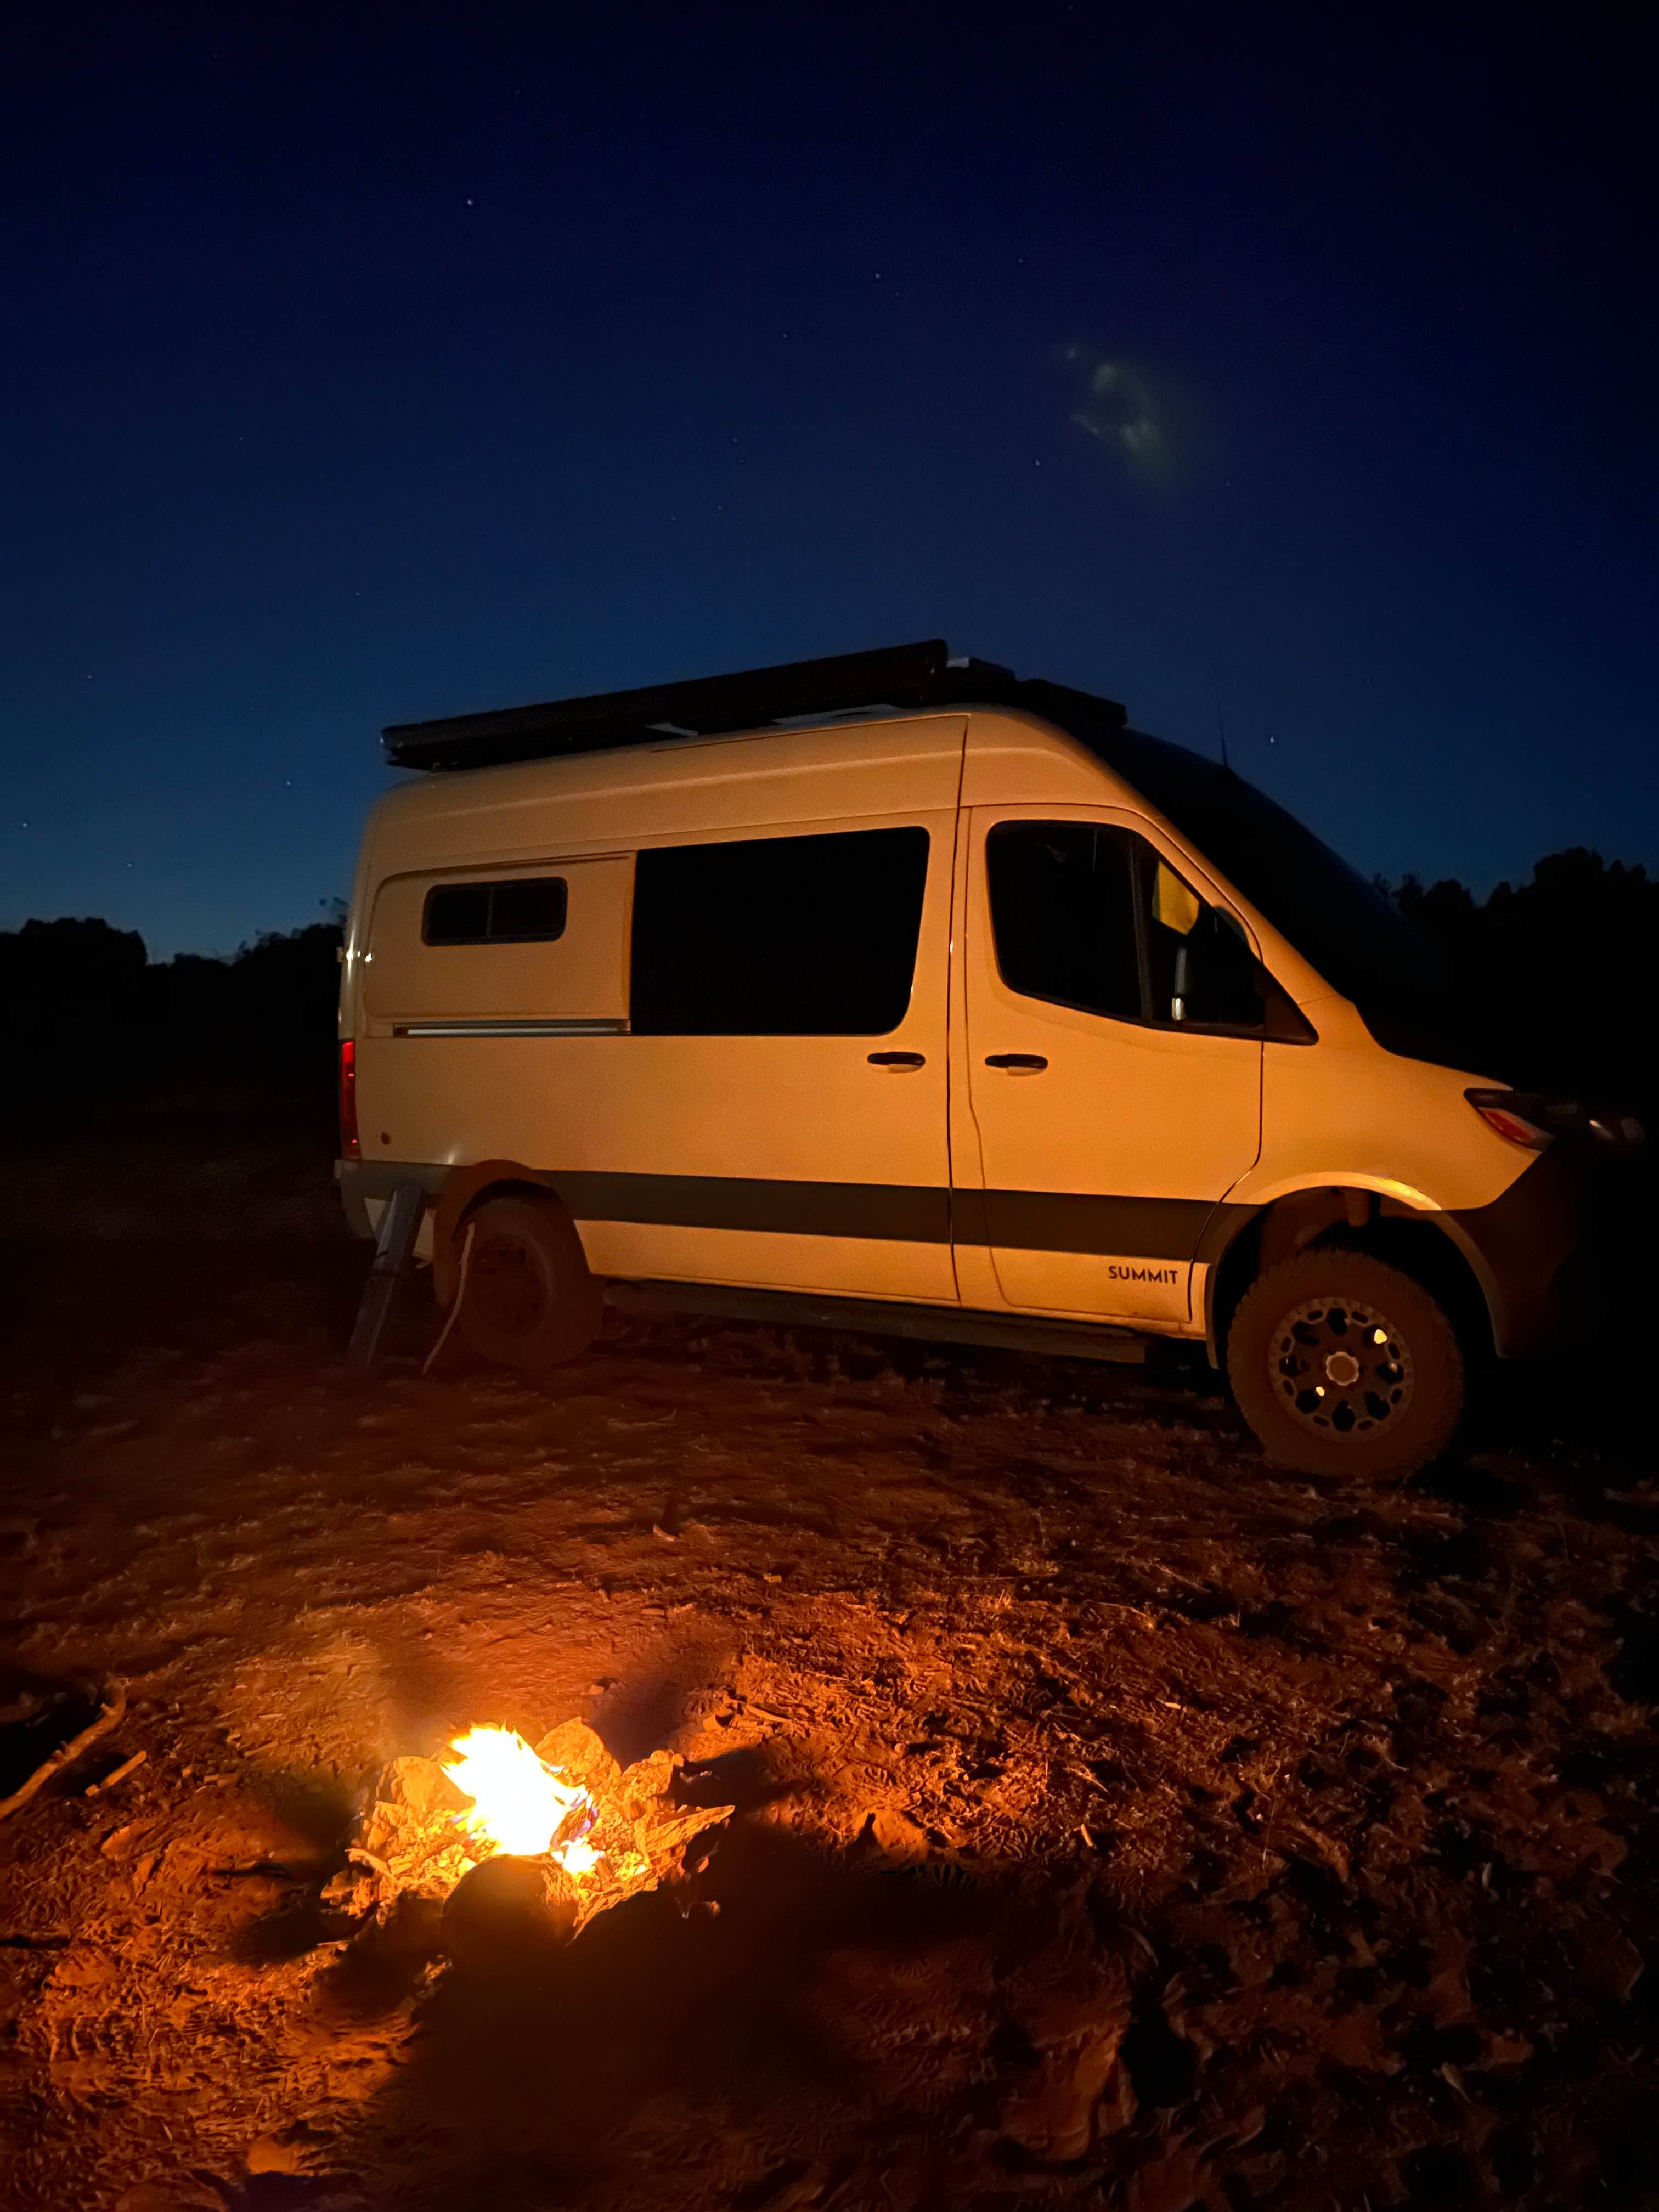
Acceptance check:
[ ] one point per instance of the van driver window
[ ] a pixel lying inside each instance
(1093, 918)
(1200, 970)
(778, 936)
(1062, 910)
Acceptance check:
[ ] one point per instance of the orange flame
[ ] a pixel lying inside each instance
(519, 1804)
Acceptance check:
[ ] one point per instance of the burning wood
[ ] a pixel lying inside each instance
(579, 1831)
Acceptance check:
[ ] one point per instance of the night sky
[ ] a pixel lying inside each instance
(369, 364)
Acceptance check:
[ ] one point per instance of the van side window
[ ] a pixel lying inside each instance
(1062, 911)
(778, 936)
(530, 911)
(1093, 917)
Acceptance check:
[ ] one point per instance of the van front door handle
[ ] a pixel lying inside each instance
(897, 1061)
(1018, 1063)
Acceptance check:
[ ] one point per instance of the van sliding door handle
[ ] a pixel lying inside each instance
(897, 1061)
(1018, 1063)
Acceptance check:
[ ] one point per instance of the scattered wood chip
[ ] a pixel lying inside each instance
(114, 1713)
(127, 1765)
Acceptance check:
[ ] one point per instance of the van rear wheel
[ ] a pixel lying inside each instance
(1344, 1365)
(529, 1301)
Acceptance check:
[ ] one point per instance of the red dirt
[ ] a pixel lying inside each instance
(1120, 1818)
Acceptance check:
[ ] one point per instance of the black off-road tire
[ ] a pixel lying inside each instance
(1300, 1332)
(529, 1301)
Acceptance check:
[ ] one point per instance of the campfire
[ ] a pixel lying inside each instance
(511, 1838)
(520, 1804)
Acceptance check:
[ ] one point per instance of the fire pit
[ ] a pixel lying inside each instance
(507, 1840)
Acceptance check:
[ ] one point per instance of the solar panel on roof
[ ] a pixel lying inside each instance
(897, 676)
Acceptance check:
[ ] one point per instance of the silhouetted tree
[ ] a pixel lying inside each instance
(86, 1020)
(1556, 971)
(49, 966)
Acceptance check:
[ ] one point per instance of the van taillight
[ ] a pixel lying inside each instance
(349, 1147)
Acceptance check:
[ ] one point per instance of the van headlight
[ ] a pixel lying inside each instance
(1511, 1114)
(1533, 1118)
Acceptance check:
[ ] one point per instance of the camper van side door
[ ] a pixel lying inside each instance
(1113, 1059)
(780, 1118)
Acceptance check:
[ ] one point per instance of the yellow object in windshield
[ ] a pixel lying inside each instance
(1173, 904)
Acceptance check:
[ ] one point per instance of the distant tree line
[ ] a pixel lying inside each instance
(1556, 976)
(89, 1021)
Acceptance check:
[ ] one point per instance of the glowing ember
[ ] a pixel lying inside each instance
(520, 1803)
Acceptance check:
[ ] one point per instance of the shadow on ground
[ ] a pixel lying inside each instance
(520, 2084)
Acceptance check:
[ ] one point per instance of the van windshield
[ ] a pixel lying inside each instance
(1357, 938)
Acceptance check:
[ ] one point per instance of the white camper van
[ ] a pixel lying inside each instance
(895, 992)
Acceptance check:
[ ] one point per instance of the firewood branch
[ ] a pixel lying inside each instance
(110, 1716)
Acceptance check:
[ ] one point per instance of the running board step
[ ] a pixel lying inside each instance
(876, 1317)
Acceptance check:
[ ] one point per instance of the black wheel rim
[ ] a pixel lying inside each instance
(506, 1288)
(1341, 1369)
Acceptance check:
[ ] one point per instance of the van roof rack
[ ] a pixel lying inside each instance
(893, 676)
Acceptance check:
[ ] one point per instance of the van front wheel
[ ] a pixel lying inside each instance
(1344, 1365)
(529, 1301)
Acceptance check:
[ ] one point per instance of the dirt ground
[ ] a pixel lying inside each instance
(1120, 1819)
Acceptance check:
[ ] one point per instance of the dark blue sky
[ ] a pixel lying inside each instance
(366, 364)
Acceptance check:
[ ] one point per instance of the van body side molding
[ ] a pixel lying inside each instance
(908, 1214)
(883, 1317)
(1026, 1220)
(1082, 1221)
